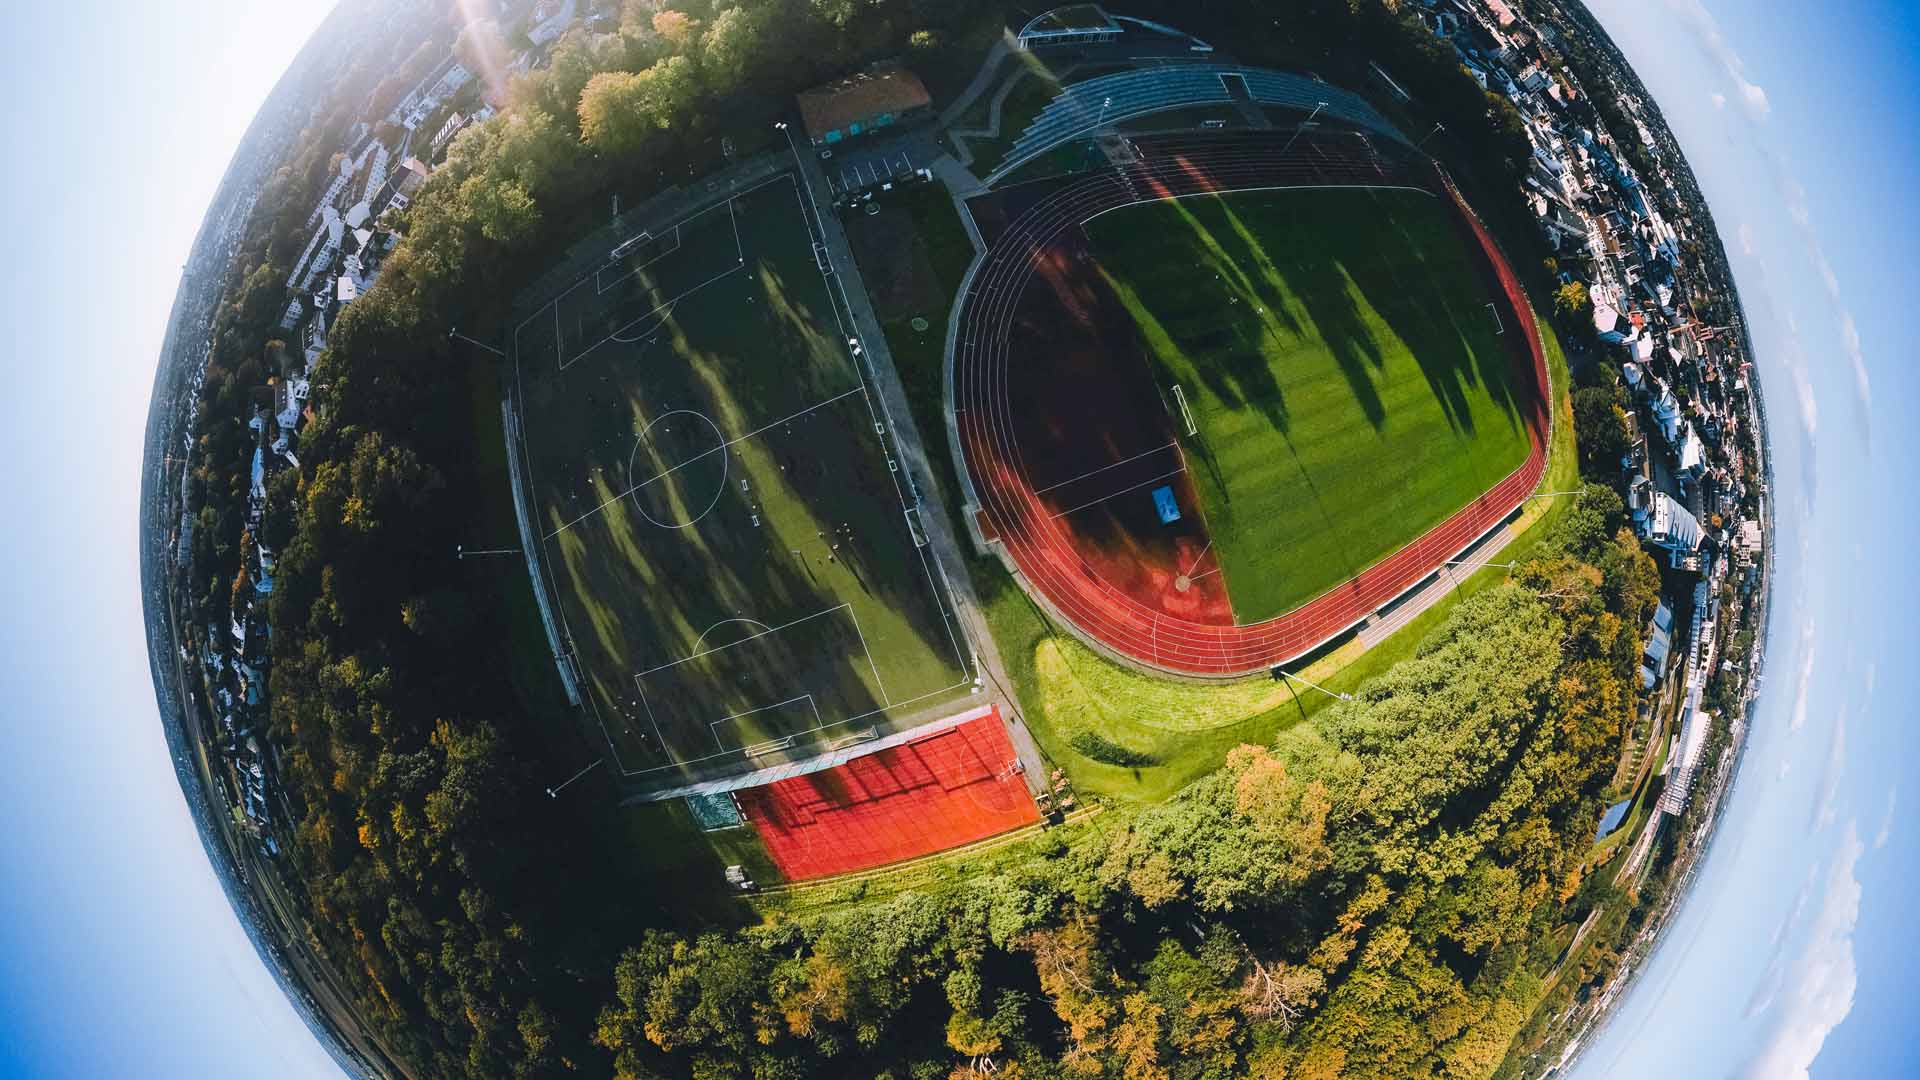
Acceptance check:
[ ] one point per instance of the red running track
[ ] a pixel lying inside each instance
(950, 788)
(1041, 545)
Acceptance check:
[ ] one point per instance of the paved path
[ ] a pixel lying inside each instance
(1407, 608)
(892, 402)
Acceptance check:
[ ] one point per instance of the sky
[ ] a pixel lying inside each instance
(120, 956)
(1792, 956)
(119, 953)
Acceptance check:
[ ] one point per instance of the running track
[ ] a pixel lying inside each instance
(1042, 547)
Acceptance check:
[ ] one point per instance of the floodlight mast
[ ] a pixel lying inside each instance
(1303, 126)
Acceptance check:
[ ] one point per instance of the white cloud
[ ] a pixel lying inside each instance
(1719, 100)
(1836, 766)
(1805, 684)
(1745, 233)
(1817, 992)
(1886, 823)
(1707, 35)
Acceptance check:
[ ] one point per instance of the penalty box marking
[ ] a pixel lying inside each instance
(640, 678)
(714, 726)
(559, 335)
(601, 284)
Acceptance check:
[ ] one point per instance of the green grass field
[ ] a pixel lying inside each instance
(724, 539)
(1342, 367)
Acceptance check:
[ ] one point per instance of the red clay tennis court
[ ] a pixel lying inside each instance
(946, 789)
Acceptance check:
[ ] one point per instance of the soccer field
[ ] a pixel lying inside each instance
(1340, 365)
(730, 551)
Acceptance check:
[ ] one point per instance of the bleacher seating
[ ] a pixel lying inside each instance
(1083, 106)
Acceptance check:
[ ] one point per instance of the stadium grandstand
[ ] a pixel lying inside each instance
(1084, 107)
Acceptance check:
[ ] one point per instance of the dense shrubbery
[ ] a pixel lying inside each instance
(1358, 899)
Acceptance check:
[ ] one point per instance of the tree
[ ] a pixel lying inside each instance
(1572, 306)
(676, 28)
(1600, 430)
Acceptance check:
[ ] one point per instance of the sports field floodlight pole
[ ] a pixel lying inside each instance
(554, 792)
(460, 552)
(1557, 494)
(1105, 104)
(1303, 126)
(1437, 128)
(455, 333)
(1479, 566)
(1285, 674)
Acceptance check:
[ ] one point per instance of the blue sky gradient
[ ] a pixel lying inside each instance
(1792, 956)
(119, 955)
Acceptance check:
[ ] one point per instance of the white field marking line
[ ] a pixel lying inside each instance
(555, 302)
(665, 746)
(996, 289)
(665, 313)
(1209, 573)
(601, 287)
(1104, 468)
(624, 327)
(926, 564)
(740, 262)
(723, 446)
(547, 562)
(740, 641)
(834, 724)
(829, 282)
(871, 666)
(713, 726)
(1122, 491)
(547, 571)
(726, 468)
(723, 622)
(990, 290)
(1263, 187)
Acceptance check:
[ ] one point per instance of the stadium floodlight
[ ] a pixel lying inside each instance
(1285, 674)
(554, 792)
(1317, 106)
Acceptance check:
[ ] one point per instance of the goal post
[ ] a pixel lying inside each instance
(621, 249)
(1186, 414)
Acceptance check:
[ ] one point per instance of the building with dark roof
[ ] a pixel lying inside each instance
(878, 97)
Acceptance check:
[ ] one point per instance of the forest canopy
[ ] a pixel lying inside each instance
(1365, 897)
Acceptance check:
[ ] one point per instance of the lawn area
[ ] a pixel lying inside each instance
(724, 536)
(1339, 359)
